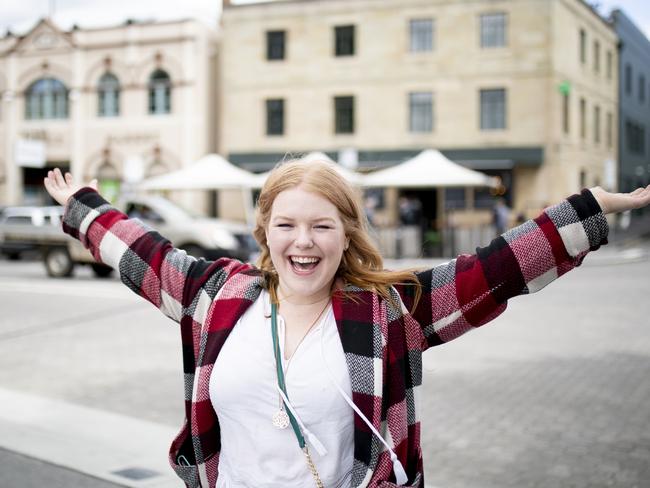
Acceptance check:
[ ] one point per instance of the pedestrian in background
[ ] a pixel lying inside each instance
(304, 370)
(501, 216)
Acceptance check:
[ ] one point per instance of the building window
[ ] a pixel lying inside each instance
(628, 79)
(583, 118)
(420, 112)
(583, 46)
(635, 137)
(344, 40)
(494, 30)
(343, 115)
(275, 117)
(597, 124)
(493, 109)
(596, 56)
(610, 63)
(610, 129)
(108, 96)
(565, 112)
(160, 88)
(275, 42)
(641, 88)
(421, 35)
(46, 98)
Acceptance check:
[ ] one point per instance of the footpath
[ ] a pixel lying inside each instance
(46, 442)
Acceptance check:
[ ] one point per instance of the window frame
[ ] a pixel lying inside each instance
(275, 116)
(582, 46)
(421, 112)
(493, 30)
(344, 46)
(47, 98)
(343, 125)
(159, 92)
(490, 117)
(272, 39)
(108, 88)
(422, 40)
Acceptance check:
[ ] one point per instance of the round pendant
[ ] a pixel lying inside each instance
(280, 420)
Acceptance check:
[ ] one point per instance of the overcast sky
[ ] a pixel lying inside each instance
(20, 15)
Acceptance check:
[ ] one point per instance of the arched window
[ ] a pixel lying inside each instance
(46, 98)
(108, 96)
(160, 87)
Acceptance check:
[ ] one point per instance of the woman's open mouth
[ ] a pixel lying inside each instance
(303, 264)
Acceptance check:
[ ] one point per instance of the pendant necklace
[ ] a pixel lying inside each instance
(280, 418)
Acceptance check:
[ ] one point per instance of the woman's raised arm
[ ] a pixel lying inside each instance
(473, 289)
(147, 262)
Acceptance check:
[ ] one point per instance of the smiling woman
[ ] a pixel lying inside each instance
(318, 336)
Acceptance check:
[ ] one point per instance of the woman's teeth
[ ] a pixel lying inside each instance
(303, 262)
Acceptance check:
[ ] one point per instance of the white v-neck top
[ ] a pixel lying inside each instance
(243, 392)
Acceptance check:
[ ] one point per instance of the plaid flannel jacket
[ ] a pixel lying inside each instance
(382, 344)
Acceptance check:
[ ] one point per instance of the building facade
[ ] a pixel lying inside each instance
(117, 104)
(522, 89)
(634, 103)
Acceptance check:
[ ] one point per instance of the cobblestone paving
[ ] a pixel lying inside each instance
(559, 398)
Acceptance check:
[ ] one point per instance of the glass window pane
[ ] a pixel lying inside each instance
(108, 95)
(420, 112)
(275, 117)
(344, 40)
(421, 35)
(275, 43)
(493, 109)
(344, 115)
(159, 93)
(493, 30)
(46, 98)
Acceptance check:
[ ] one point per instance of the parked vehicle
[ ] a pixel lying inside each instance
(198, 236)
(38, 229)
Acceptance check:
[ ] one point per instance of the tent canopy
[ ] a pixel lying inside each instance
(211, 172)
(351, 176)
(428, 169)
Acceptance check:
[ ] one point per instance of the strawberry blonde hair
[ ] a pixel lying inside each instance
(361, 264)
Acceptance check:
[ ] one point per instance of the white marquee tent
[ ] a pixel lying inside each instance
(211, 172)
(351, 176)
(429, 169)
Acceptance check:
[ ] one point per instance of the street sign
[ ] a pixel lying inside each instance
(30, 153)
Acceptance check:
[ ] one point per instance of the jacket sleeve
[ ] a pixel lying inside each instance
(147, 262)
(471, 290)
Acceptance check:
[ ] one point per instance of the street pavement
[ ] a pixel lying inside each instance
(554, 393)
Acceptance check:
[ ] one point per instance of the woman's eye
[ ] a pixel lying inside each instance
(285, 226)
(323, 227)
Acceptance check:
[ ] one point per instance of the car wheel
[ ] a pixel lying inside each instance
(58, 262)
(101, 270)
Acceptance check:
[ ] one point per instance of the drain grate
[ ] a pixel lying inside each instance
(136, 473)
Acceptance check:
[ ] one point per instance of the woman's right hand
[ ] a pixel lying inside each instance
(61, 188)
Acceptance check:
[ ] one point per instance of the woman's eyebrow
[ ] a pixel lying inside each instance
(315, 219)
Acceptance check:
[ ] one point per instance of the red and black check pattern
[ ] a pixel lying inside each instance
(382, 344)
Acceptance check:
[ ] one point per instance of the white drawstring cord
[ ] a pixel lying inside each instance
(398, 469)
(313, 440)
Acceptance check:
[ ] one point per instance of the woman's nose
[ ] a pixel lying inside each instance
(304, 238)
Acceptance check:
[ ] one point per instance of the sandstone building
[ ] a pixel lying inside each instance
(117, 103)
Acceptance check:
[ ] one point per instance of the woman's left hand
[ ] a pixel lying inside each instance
(620, 202)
